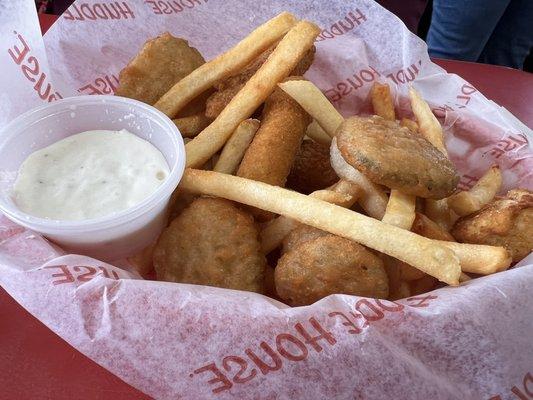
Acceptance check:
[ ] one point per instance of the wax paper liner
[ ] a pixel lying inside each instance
(176, 341)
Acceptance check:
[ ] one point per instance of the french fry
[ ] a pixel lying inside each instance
(439, 212)
(315, 103)
(274, 232)
(424, 226)
(315, 132)
(479, 258)
(312, 100)
(281, 62)
(233, 60)
(464, 203)
(382, 101)
(347, 187)
(428, 124)
(429, 256)
(400, 210)
(373, 200)
(236, 146)
(192, 125)
(409, 124)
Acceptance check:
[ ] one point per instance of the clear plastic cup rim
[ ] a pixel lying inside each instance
(162, 193)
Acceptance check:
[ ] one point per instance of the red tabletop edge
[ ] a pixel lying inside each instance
(36, 363)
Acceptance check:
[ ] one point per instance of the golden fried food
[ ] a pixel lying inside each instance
(287, 54)
(301, 234)
(271, 154)
(159, 65)
(393, 156)
(227, 89)
(213, 243)
(311, 169)
(192, 125)
(329, 265)
(143, 260)
(506, 222)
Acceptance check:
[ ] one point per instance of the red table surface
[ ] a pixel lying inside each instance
(36, 364)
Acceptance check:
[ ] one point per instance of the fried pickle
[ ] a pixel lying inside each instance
(159, 65)
(328, 265)
(393, 156)
(213, 243)
(506, 222)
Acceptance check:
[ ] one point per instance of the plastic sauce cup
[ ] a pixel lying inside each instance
(116, 235)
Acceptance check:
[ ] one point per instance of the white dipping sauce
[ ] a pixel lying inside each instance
(89, 175)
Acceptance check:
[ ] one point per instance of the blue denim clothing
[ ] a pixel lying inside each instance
(488, 31)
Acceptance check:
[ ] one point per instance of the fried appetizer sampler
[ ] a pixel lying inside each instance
(393, 156)
(271, 154)
(227, 89)
(327, 265)
(311, 169)
(506, 222)
(159, 65)
(213, 243)
(299, 235)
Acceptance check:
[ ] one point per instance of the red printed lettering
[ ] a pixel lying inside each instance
(105, 272)
(242, 364)
(39, 85)
(313, 340)
(219, 377)
(420, 301)
(368, 310)
(354, 330)
(405, 75)
(86, 276)
(65, 274)
(21, 54)
(172, 6)
(352, 83)
(344, 25)
(523, 393)
(387, 305)
(296, 342)
(94, 11)
(87, 12)
(106, 84)
(262, 365)
(29, 71)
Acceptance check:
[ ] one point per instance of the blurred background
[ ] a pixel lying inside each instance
(498, 32)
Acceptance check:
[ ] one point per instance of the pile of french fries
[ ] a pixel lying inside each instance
(410, 234)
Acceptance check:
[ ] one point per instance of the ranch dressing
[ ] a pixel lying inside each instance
(89, 175)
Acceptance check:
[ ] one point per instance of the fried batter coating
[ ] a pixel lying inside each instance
(228, 88)
(299, 235)
(506, 222)
(393, 156)
(159, 65)
(271, 154)
(311, 169)
(327, 265)
(213, 243)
